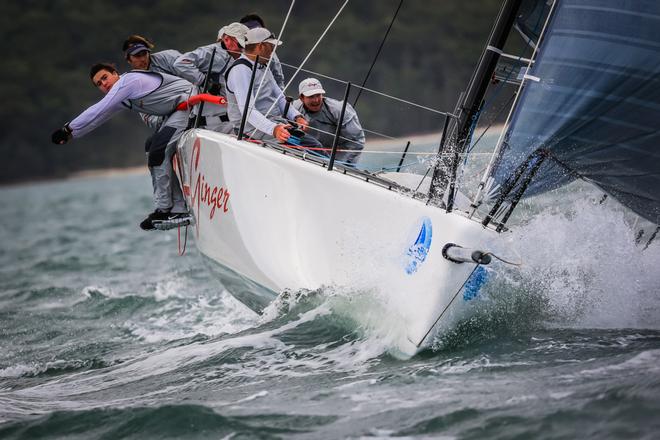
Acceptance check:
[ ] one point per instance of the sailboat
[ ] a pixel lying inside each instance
(273, 219)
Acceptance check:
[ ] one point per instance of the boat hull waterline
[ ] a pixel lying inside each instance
(277, 223)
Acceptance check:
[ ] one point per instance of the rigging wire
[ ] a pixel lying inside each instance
(367, 89)
(419, 153)
(422, 181)
(270, 60)
(382, 43)
(498, 146)
(383, 135)
(309, 127)
(491, 100)
(379, 134)
(309, 54)
(448, 114)
(362, 87)
(447, 306)
(503, 260)
(500, 87)
(459, 291)
(469, 150)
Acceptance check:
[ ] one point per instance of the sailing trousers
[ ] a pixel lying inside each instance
(167, 191)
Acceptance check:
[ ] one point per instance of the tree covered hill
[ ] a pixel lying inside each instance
(49, 46)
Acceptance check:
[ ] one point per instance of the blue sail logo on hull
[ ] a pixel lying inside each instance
(474, 283)
(417, 252)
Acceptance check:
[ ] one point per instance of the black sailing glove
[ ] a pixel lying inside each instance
(61, 136)
(214, 85)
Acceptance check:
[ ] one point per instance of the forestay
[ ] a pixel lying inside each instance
(591, 103)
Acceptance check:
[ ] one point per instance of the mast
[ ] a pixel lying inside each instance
(476, 91)
(484, 72)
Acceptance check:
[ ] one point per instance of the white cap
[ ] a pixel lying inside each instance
(261, 35)
(310, 86)
(236, 30)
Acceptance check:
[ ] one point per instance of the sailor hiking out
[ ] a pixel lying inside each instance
(150, 93)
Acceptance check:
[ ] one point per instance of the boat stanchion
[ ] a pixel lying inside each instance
(438, 170)
(459, 254)
(205, 89)
(338, 130)
(288, 100)
(247, 100)
(403, 156)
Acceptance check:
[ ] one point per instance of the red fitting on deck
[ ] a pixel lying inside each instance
(202, 97)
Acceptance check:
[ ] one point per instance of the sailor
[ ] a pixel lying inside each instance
(152, 93)
(266, 113)
(138, 53)
(193, 66)
(254, 21)
(232, 38)
(323, 115)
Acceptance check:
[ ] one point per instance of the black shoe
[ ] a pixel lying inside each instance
(147, 223)
(171, 220)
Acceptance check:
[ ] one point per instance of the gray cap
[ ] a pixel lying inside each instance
(236, 30)
(310, 86)
(137, 48)
(261, 35)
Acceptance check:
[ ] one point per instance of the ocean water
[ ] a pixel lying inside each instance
(106, 332)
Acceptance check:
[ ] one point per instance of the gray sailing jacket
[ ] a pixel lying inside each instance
(162, 62)
(327, 119)
(269, 93)
(163, 100)
(193, 66)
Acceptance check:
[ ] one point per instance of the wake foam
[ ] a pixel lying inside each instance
(358, 319)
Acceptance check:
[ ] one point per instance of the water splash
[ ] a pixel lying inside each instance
(583, 260)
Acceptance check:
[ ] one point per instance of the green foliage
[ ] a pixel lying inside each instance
(49, 46)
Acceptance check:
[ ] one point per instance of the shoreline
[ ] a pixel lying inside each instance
(141, 169)
(82, 174)
(103, 172)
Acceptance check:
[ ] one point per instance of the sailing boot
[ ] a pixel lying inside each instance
(171, 220)
(147, 223)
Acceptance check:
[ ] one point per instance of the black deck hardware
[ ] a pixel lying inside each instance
(521, 190)
(508, 186)
(247, 100)
(205, 88)
(335, 142)
(403, 156)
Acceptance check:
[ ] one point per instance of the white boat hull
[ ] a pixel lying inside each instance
(275, 223)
